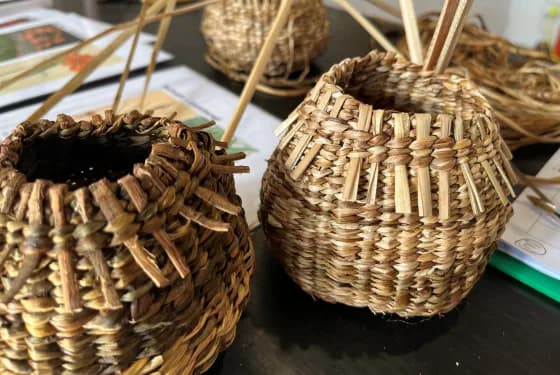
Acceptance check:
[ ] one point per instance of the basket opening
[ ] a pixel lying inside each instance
(79, 162)
(387, 86)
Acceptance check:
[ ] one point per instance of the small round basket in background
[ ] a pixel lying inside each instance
(389, 188)
(234, 31)
(124, 247)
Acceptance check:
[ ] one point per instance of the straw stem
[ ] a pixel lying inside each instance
(388, 8)
(258, 68)
(373, 31)
(126, 71)
(411, 31)
(447, 33)
(161, 35)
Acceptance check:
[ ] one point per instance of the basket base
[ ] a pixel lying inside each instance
(278, 86)
(349, 299)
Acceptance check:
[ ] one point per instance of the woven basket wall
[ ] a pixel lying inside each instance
(146, 274)
(234, 31)
(388, 188)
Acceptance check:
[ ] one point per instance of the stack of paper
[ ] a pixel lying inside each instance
(28, 37)
(532, 239)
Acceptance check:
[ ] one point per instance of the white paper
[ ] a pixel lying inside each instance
(53, 78)
(203, 98)
(532, 235)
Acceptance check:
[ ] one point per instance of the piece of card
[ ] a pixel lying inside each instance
(532, 235)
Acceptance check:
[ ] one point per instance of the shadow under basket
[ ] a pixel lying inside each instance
(389, 188)
(124, 247)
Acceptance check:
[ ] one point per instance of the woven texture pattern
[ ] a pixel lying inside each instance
(148, 273)
(388, 188)
(234, 31)
(521, 84)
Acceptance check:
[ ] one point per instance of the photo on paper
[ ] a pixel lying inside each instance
(35, 39)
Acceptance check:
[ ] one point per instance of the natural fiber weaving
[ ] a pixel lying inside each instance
(521, 84)
(388, 188)
(146, 272)
(234, 31)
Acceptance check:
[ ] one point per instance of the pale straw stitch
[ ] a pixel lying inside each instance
(147, 274)
(234, 31)
(389, 188)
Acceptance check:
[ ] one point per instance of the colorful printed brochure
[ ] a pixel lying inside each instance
(29, 37)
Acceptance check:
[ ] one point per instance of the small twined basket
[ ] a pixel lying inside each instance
(234, 31)
(124, 247)
(389, 188)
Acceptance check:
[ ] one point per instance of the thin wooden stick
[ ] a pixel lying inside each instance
(447, 34)
(258, 68)
(411, 31)
(161, 35)
(454, 34)
(123, 26)
(368, 26)
(126, 71)
(440, 33)
(388, 8)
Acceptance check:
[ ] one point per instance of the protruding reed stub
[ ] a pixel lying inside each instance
(375, 124)
(401, 159)
(81, 219)
(422, 149)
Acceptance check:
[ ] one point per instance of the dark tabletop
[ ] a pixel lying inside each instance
(502, 327)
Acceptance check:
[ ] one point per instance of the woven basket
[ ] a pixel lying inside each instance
(234, 31)
(521, 84)
(146, 272)
(388, 188)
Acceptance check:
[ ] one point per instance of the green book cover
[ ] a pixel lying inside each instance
(527, 275)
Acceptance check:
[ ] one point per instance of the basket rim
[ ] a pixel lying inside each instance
(96, 127)
(330, 80)
(429, 142)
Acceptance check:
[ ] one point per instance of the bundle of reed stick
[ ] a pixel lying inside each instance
(522, 84)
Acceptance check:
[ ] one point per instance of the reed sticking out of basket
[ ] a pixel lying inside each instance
(411, 30)
(126, 71)
(256, 72)
(447, 33)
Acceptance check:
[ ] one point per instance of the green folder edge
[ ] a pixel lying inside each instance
(547, 285)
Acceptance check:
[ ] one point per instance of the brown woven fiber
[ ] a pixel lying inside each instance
(234, 31)
(388, 188)
(521, 84)
(146, 271)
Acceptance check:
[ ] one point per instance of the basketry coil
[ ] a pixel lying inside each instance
(234, 31)
(388, 189)
(142, 268)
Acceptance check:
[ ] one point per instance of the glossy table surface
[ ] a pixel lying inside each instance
(502, 327)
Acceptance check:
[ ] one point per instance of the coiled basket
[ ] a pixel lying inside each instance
(234, 31)
(124, 247)
(388, 189)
